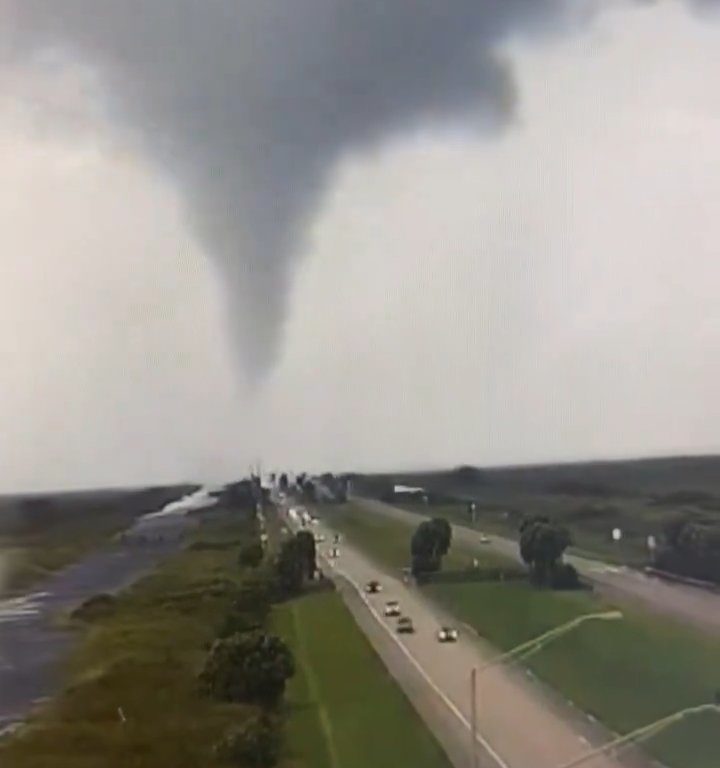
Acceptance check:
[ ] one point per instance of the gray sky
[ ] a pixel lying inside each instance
(489, 240)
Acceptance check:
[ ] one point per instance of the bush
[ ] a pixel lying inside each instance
(248, 666)
(251, 555)
(565, 576)
(256, 743)
(95, 607)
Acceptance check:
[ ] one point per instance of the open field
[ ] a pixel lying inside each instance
(388, 541)
(345, 710)
(143, 656)
(590, 499)
(626, 673)
(39, 535)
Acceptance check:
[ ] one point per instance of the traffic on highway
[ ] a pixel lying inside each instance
(408, 632)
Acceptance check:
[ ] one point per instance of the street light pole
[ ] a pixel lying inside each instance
(473, 718)
(643, 733)
(522, 651)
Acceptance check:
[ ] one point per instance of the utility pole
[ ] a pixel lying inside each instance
(473, 718)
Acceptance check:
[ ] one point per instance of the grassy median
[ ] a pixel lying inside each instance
(625, 673)
(345, 711)
(387, 541)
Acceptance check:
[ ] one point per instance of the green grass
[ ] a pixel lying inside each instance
(34, 544)
(591, 536)
(345, 711)
(144, 657)
(387, 540)
(625, 673)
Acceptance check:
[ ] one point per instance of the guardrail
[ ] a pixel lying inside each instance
(676, 577)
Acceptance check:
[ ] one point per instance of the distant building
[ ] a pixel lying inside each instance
(409, 493)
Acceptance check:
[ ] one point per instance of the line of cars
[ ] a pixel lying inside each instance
(405, 626)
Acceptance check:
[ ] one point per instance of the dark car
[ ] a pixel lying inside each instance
(373, 587)
(405, 626)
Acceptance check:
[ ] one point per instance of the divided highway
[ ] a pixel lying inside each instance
(518, 726)
(695, 605)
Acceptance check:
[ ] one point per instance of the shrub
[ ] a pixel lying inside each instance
(565, 576)
(251, 555)
(248, 666)
(255, 742)
(95, 607)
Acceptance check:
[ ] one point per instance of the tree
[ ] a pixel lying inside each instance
(306, 544)
(309, 491)
(692, 548)
(248, 666)
(250, 606)
(254, 742)
(291, 566)
(430, 542)
(542, 545)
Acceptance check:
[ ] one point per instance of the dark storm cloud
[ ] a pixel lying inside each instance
(248, 104)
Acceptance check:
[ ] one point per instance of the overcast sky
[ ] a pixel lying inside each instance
(508, 254)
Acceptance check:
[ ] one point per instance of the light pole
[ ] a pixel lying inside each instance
(523, 651)
(643, 733)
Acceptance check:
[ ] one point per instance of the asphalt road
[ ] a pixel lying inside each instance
(694, 605)
(518, 726)
(32, 647)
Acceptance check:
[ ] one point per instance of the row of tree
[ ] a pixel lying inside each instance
(246, 663)
(542, 545)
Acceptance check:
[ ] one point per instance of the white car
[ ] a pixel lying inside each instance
(447, 635)
(319, 538)
(392, 608)
(484, 539)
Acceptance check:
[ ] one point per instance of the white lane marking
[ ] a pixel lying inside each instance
(424, 674)
(17, 608)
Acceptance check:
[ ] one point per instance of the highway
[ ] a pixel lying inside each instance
(518, 726)
(694, 605)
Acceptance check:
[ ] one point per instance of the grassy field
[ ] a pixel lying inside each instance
(39, 535)
(144, 657)
(625, 673)
(388, 541)
(345, 711)
(638, 496)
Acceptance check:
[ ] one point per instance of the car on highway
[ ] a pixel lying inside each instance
(336, 538)
(373, 587)
(405, 626)
(319, 538)
(334, 553)
(484, 539)
(392, 608)
(447, 635)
